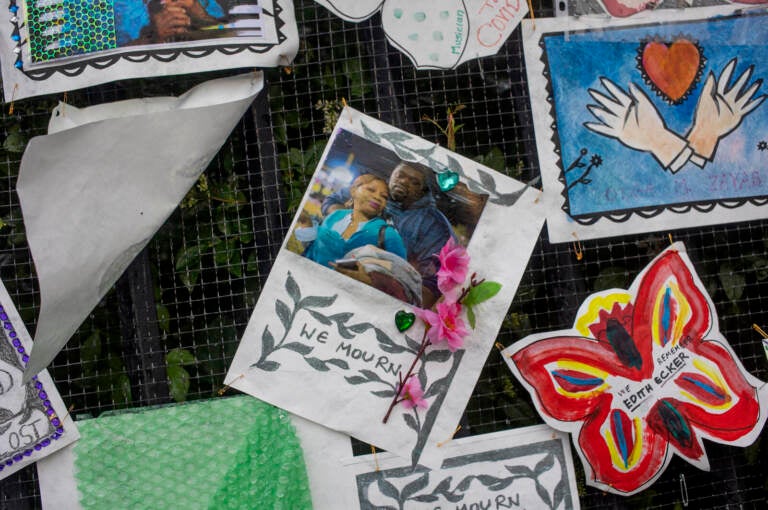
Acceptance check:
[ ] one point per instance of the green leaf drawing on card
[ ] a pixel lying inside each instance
(267, 366)
(388, 489)
(523, 471)
(292, 288)
(481, 293)
(384, 393)
(425, 498)
(392, 348)
(371, 375)
(369, 133)
(355, 379)
(341, 318)
(544, 464)
(439, 356)
(361, 327)
(283, 313)
(415, 486)
(560, 493)
(402, 153)
(454, 165)
(267, 341)
(411, 422)
(298, 347)
(317, 301)
(489, 183)
(543, 494)
(338, 362)
(413, 345)
(319, 317)
(426, 152)
(395, 137)
(317, 364)
(464, 484)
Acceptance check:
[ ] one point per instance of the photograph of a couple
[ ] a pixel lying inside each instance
(381, 220)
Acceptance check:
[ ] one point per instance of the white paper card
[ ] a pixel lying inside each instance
(325, 346)
(439, 34)
(530, 467)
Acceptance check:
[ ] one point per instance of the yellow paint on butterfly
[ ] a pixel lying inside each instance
(713, 373)
(587, 369)
(613, 448)
(595, 306)
(683, 315)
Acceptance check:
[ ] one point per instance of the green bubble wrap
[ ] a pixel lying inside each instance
(216, 454)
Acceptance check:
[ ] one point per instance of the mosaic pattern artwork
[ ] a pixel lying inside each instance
(70, 27)
(49, 46)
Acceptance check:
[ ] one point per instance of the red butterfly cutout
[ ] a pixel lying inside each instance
(644, 374)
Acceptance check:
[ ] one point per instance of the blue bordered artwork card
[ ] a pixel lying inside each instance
(49, 46)
(33, 419)
(663, 123)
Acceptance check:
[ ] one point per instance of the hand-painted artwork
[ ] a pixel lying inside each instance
(33, 420)
(439, 34)
(55, 45)
(330, 331)
(644, 374)
(528, 467)
(661, 126)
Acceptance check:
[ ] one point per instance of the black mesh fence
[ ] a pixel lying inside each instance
(169, 328)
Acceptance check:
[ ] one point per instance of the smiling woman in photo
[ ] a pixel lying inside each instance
(361, 225)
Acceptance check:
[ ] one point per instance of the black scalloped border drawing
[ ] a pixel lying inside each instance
(647, 79)
(623, 215)
(164, 55)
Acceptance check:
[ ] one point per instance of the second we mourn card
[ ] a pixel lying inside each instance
(393, 234)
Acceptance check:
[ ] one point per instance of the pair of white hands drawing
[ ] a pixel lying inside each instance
(633, 120)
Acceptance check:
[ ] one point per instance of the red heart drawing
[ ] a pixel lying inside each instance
(672, 69)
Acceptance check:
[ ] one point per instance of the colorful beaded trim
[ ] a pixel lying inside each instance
(10, 332)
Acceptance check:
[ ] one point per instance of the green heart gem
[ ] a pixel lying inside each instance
(404, 320)
(447, 180)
